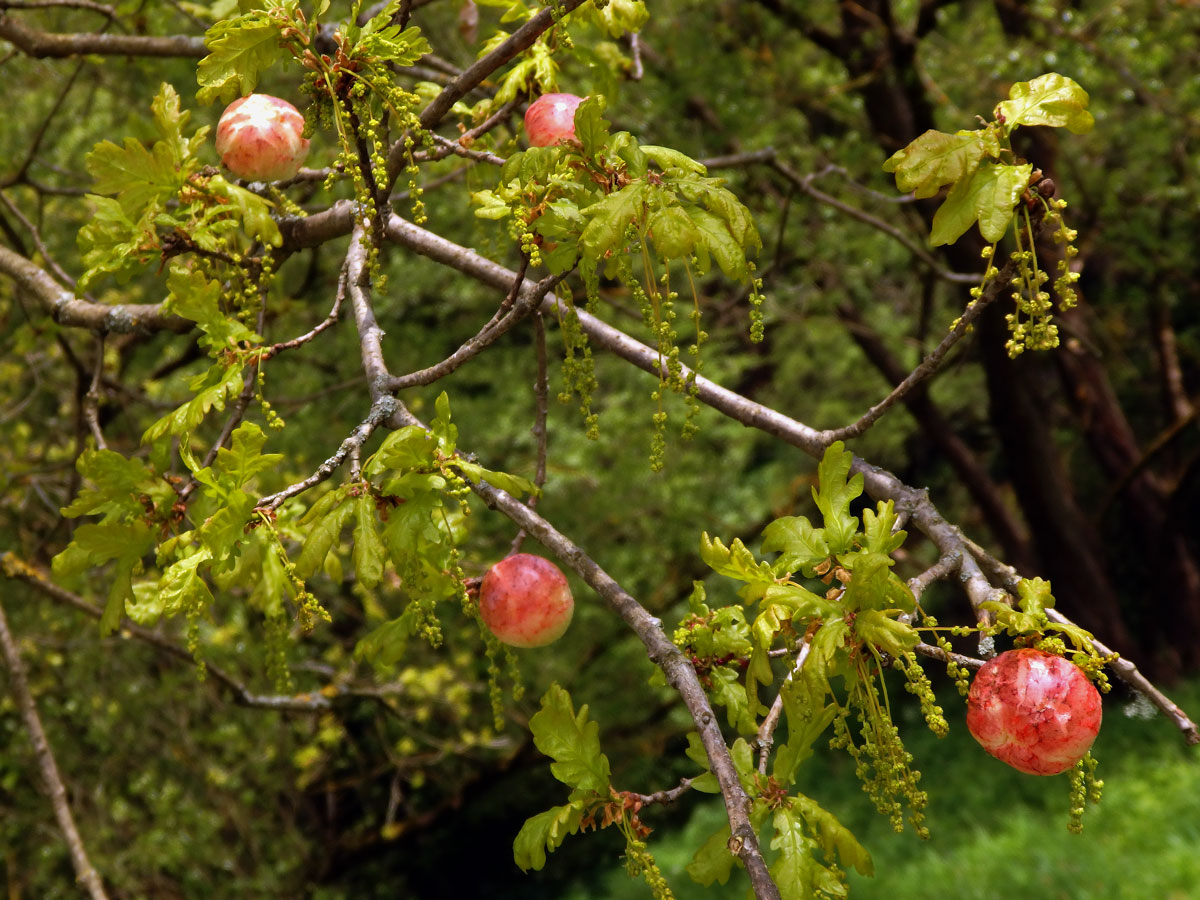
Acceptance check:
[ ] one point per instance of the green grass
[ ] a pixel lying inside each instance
(997, 834)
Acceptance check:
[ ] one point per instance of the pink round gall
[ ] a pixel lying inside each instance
(261, 138)
(1033, 710)
(525, 601)
(550, 119)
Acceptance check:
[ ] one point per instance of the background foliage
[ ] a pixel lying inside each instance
(1090, 453)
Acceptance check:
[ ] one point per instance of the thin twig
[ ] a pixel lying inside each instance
(35, 233)
(324, 324)
(381, 410)
(101, 8)
(664, 797)
(740, 160)
(448, 147)
(34, 144)
(635, 50)
(944, 567)
(766, 731)
(91, 400)
(967, 662)
(500, 324)
(805, 183)
(85, 872)
(931, 363)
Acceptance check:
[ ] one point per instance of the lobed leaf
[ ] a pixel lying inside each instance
(936, 159)
(241, 48)
(800, 545)
(834, 493)
(543, 834)
(571, 740)
(734, 561)
(182, 588)
(118, 484)
(988, 197)
(879, 529)
(321, 538)
(833, 836)
(212, 389)
(713, 862)
(369, 552)
(795, 870)
(1051, 99)
(194, 296)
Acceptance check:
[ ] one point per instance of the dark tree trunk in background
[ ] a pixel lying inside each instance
(1157, 573)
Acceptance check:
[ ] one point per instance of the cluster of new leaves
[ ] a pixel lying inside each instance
(167, 555)
(991, 186)
(985, 178)
(1030, 626)
(573, 742)
(243, 47)
(612, 206)
(537, 69)
(161, 201)
(836, 643)
(353, 86)
(417, 482)
(591, 201)
(141, 515)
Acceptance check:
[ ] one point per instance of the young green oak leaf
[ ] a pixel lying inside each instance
(985, 179)
(988, 197)
(591, 128)
(1050, 99)
(124, 544)
(873, 585)
(571, 740)
(211, 389)
(240, 48)
(706, 783)
(196, 297)
(808, 715)
(832, 835)
(617, 17)
(880, 530)
(323, 535)
(445, 431)
(369, 552)
(385, 646)
(936, 159)
(119, 483)
(545, 832)
(713, 862)
(182, 588)
(800, 545)
(236, 464)
(138, 175)
(834, 493)
(735, 561)
(1031, 618)
(796, 870)
(512, 484)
